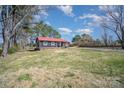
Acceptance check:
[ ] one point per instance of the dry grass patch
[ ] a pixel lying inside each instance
(66, 67)
(62, 77)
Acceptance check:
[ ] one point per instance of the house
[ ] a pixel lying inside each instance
(42, 42)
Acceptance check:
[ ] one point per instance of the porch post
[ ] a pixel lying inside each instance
(60, 44)
(56, 44)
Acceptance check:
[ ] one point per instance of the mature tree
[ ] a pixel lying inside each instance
(105, 38)
(97, 42)
(86, 37)
(12, 17)
(42, 29)
(86, 40)
(76, 38)
(56, 34)
(115, 21)
(110, 41)
(39, 29)
(6, 19)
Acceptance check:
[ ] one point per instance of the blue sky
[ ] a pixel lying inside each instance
(73, 20)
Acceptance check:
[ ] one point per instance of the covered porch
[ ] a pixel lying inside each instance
(51, 42)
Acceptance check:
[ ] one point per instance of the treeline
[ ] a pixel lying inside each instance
(85, 40)
(19, 28)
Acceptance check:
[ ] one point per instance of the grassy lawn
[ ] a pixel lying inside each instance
(63, 67)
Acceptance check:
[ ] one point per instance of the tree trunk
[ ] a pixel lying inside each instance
(5, 48)
(6, 30)
(122, 43)
(15, 41)
(6, 43)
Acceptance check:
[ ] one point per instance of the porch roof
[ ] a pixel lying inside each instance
(51, 39)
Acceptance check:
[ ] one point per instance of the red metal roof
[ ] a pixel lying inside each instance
(51, 39)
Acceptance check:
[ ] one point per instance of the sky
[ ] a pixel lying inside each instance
(74, 20)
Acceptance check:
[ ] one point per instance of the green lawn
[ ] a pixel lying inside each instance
(63, 67)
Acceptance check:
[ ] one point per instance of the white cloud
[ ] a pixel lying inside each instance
(106, 7)
(36, 18)
(116, 14)
(43, 10)
(94, 17)
(96, 20)
(65, 30)
(102, 7)
(68, 10)
(90, 24)
(84, 31)
(43, 13)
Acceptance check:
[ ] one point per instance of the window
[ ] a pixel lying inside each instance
(45, 43)
(52, 43)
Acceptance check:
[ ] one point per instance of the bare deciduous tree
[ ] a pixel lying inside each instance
(115, 21)
(105, 37)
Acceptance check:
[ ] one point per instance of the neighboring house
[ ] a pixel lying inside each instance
(51, 42)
